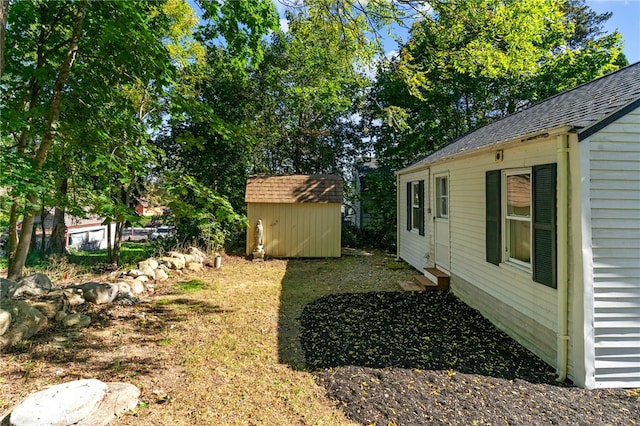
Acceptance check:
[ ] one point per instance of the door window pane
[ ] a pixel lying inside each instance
(442, 197)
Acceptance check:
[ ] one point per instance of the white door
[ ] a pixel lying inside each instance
(441, 222)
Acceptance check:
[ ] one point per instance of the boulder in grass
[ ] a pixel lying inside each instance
(121, 397)
(99, 293)
(149, 263)
(76, 320)
(25, 322)
(33, 285)
(7, 288)
(173, 262)
(65, 404)
(137, 286)
(5, 321)
(87, 402)
(161, 275)
(74, 296)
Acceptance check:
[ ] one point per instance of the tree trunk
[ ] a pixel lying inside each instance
(17, 261)
(109, 247)
(117, 243)
(57, 240)
(18, 258)
(4, 10)
(43, 227)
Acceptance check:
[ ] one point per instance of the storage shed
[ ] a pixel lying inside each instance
(300, 214)
(536, 219)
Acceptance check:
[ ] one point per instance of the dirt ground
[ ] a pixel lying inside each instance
(300, 342)
(426, 358)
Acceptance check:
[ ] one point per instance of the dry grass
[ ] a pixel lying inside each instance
(218, 348)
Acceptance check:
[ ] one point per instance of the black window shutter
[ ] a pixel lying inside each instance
(544, 225)
(421, 207)
(493, 226)
(409, 205)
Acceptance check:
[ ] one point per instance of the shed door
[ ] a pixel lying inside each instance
(441, 222)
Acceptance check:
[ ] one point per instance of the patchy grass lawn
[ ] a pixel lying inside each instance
(219, 347)
(228, 346)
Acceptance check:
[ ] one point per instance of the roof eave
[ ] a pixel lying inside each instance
(551, 132)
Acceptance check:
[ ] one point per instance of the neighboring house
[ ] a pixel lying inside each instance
(362, 211)
(300, 214)
(80, 233)
(143, 209)
(536, 218)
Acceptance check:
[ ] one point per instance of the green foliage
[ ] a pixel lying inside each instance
(470, 63)
(240, 24)
(202, 215)
(308, 92)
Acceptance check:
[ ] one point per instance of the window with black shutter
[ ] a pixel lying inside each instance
(520, 207)
(544, 225)
(493, 222)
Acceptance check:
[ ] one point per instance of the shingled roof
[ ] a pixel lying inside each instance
(294, 189)
(584, 109)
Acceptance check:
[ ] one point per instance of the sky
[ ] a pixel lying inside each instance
(626, 19)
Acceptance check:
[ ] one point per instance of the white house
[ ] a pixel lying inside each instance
(80, 233)
(536, 219)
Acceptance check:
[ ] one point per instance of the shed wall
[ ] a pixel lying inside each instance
(296, 230)
(612, 197)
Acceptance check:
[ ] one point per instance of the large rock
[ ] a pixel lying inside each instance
(173, 262)
(74, 296)
(25, 322)
(194, 251)
(176, 254)
(7, 288)
(161, 275)
(148, 271)
(33, 285)
(49, 308)
(137, 286)
(194, 266)
(79, 403)
(121, 397)
(99, 293)
(151, 263)
(65, 404)
(76, 320)
(5, 321)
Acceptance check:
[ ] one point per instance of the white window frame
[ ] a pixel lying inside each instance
(506, 219)
(442, 199)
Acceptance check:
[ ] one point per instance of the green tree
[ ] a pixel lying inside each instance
(85, 81)
(310, 93)
(469, 63)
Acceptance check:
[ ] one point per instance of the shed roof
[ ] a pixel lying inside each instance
(294, 189)
(585, 109)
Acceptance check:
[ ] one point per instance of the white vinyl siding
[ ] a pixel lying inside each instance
(509, 285)
(612, 195)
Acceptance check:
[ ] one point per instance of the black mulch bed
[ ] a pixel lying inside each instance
(427, 358)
